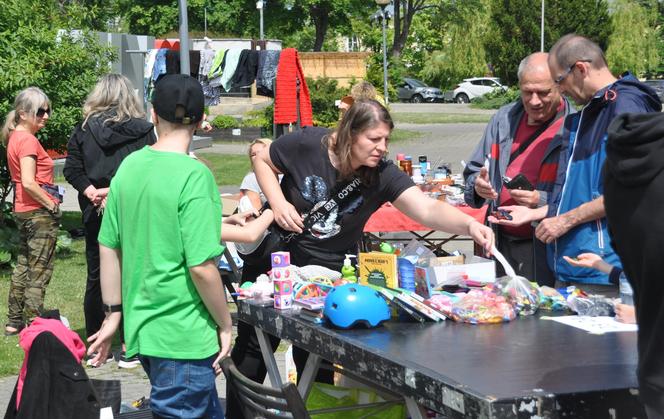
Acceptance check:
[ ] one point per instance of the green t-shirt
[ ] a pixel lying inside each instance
(164, 213)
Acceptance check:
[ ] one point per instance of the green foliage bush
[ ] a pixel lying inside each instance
(496, 99)
(224, 121)
(323, 93)
(64, 66)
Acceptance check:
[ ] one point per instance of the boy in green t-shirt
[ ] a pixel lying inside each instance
(159, 237)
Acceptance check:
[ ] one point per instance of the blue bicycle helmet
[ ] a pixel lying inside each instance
(353, 304)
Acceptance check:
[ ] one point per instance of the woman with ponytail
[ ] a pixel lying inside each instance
(36, 206)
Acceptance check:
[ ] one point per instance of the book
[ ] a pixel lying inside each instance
(400, 306)
(377, 268)
(311, 303)
(419, 305)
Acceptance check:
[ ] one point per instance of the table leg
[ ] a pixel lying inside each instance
(413, 408)
(308, 375)
(268, 357)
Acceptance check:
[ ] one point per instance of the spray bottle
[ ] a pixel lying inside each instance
(348, 270)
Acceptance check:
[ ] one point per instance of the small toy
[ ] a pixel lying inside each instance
(385, 247)
(501, 214)
(282, 278)
(348, 270)
(280, 259)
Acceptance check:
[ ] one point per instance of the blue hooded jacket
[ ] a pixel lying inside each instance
(579, 178)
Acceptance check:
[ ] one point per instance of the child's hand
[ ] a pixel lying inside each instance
(625, 313)
(585, 260)
(240, 218)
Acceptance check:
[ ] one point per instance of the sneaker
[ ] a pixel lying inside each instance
(128, 362)
(109, 358)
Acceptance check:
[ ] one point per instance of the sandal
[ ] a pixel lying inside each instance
(12, 330)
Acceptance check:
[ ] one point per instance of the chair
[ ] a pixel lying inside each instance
(232, 276)
(260, 401)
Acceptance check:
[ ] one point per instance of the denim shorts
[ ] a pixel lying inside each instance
(182, 388)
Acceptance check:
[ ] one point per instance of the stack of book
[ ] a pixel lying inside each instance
(411, 304)
(311, 309)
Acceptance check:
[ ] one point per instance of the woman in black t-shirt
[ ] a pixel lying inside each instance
(318, 165)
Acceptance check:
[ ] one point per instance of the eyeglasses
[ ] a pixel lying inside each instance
(42, 111)
(563, 76)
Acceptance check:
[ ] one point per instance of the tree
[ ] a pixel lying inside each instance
(633, 45)
(404, 13)
(461, 52)
(514, 29)
(65, 67)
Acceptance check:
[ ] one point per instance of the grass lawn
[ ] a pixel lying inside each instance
(438, 118)
(228, 169)
(399, 135)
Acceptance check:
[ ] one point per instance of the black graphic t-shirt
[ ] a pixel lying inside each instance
(309, 178)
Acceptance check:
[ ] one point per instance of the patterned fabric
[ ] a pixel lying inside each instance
(267, 71)
(38, 232)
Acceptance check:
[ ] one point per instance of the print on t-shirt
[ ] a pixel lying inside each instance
(315, 191)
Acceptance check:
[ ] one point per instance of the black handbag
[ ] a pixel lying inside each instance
(278, 239)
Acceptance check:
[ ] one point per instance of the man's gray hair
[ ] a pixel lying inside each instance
(527, 65)
(572, 48)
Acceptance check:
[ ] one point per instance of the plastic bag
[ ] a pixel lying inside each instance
(417, 253)
(591, 305)
(520, 292)
(551, 299)
(325, 396)
(483, 306)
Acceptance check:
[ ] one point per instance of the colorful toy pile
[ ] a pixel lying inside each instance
(483, 306)
(519, 292)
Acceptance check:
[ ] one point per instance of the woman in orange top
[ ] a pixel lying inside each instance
(36, 206)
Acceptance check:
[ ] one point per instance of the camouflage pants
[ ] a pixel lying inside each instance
(38, 231)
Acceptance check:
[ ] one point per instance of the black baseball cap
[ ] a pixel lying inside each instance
(179, 98)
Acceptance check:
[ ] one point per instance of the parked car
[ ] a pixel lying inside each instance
(475, 87)
(658, 85)
(416, 91)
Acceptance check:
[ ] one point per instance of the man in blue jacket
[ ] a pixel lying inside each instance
(576, 221)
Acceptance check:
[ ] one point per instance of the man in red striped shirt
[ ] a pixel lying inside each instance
(520, 141)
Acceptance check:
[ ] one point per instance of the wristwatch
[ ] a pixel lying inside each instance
(108, 309)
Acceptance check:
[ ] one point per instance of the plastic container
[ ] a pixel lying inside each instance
(626, 292)
(406, 274)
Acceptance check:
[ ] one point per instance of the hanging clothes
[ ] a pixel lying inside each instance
(194, 62)
(172, 62)
(266, 72)
(217, 68)
(245, 73)
(232, 59)
(289, 73)
(159, 68)
(147, 74)
(207, 57)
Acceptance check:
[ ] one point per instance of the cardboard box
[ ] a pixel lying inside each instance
(475, 268)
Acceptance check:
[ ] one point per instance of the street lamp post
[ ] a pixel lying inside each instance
(184, 38)
(383, 18)
(260, 4)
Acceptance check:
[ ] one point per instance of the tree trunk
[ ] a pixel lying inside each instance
(402, 24)
(397, 27)
(320, 16)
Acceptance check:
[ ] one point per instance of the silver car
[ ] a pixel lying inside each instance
(416, 91)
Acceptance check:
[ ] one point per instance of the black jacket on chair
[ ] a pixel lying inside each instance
(55, 387)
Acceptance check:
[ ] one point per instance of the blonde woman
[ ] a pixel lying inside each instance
(113, 127)
(36, 206)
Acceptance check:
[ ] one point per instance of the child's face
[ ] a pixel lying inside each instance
(255, 149)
